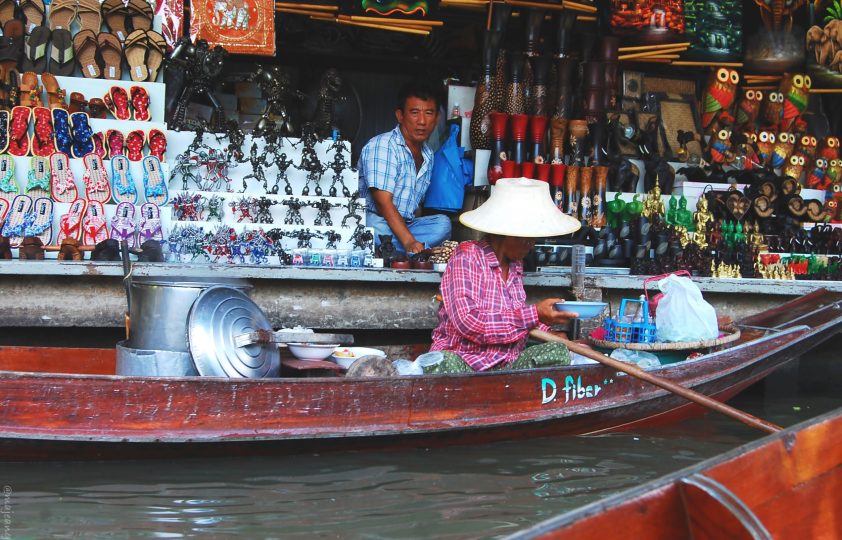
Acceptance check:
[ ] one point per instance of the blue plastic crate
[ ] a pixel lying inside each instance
(631, 332)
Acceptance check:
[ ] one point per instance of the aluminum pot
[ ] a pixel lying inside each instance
(146, 363)
(159, 310)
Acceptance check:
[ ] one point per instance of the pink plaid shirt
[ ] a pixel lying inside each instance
(482, 319)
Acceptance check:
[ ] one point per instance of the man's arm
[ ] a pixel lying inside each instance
(386, 208)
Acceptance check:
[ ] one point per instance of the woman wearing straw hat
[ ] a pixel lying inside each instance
(484, 319)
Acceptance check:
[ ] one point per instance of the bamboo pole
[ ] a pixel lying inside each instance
(536, 5)
(649, 53)
(586, 18)
(708, 64)
(385, 27)
(576, 6)
(825, 91)
(387, 20)
(314, 7)
(653, 47)
(301, 12)
(686, 393)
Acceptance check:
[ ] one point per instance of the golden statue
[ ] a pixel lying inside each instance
(683, 236)
(714, 273)
(701, 217)
(653, 204)
(755, 238)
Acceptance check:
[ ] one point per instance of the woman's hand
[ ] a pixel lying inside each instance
(549, 315)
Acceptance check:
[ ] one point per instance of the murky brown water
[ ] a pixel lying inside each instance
(463, 492)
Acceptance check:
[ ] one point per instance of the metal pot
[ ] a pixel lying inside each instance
(159, 310)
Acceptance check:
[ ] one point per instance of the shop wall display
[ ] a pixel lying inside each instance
(241, 26)
(824, 45)
(648, 21)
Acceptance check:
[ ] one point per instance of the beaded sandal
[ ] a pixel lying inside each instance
(97, 186)
(154, 186)
(94, 227)
(117, 102)
(157, 144)
(150, 224)
(62, 184)
(115, 143)
(8, 185)
(140, 103)
(38, 177)
(122, 224)
(135, 141)
(43, 140)
(61, 129)
(99, 144)
(80, 126)
(124, 189)
(19, 131)
(70, 224)
(41, 224)
(15, 226)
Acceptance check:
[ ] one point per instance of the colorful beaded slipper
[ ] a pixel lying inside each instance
(115, 142)
(94, 226)
(61, 129)
(15, 226)
(80, 126)
(150, 224)
(41, 223)
(140, 103)
(43, 141)
(8, 185)
(135, 141)
(99, 144)
(70, 224)
(19, 131)
(62, 185)
(121, 178)
(157, 144)
(154, 186)
(122, 224)
(38, 177)
(97, 186)
(117, 102)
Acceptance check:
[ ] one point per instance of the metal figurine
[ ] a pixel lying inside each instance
(305, 237)
(202, 65)
(283, 164)
(186, 167)
(293, 215)
(332, 238)
(236, 138)
(363, 238)
(338, 165)
(323, 206)
(258, 164)
(310, 160)
(243, 206)
(263, 213)
(215, 210)
(281, 98)
(353, 206)
(188, 207)
(329, 94)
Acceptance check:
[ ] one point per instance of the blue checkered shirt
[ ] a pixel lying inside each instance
(386, 163)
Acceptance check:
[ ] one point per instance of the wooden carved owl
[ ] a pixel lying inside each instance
(719, 94)
(773, 109)
(817, 178)
(806, 144)
(834, 170)
(720, 146)
(794, 167)
(831, 206)
(795, 88)
(829, 147)
(748, 108)
(783, 149)
(765, 146)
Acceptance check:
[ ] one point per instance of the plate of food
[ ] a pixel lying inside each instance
(585, 310)
(345, 356)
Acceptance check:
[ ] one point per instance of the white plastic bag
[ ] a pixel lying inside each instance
(643, 359)
(407, 367)
(682, 314)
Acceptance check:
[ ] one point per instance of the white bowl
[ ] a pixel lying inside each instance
(348, 355)
(311, 351)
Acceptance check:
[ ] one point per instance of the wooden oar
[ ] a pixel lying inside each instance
(634, 371)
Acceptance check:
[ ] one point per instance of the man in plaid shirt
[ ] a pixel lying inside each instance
(395, 169)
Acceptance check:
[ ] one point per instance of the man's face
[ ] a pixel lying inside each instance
(417, 119)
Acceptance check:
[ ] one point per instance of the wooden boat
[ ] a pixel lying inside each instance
(785, 485)
(68, 404)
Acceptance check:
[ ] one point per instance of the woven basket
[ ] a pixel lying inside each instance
(732, 334)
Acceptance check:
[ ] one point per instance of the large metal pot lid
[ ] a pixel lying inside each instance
(218, 314)
(198, 282)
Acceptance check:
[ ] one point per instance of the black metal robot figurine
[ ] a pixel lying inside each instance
(293, 215)
(281, 98)
(362, 237)
(310, 160)
(323, 206)
(332, 238)
(338, 166)
(202, 66)
(353, 206)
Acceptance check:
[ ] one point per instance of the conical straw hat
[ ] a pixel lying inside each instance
(520, 207)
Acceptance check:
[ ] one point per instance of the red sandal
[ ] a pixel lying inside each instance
(140, 103)
(134, 145)
(99, 144)
(43, 143)
(119, 103)
(19, 131)
(157, 144)
(114, 142)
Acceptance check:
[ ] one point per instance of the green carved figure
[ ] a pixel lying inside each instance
(615, 209)
(685, 216)
(633, 209)
(672, 213)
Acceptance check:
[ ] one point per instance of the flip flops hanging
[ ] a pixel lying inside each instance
(70, 224)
